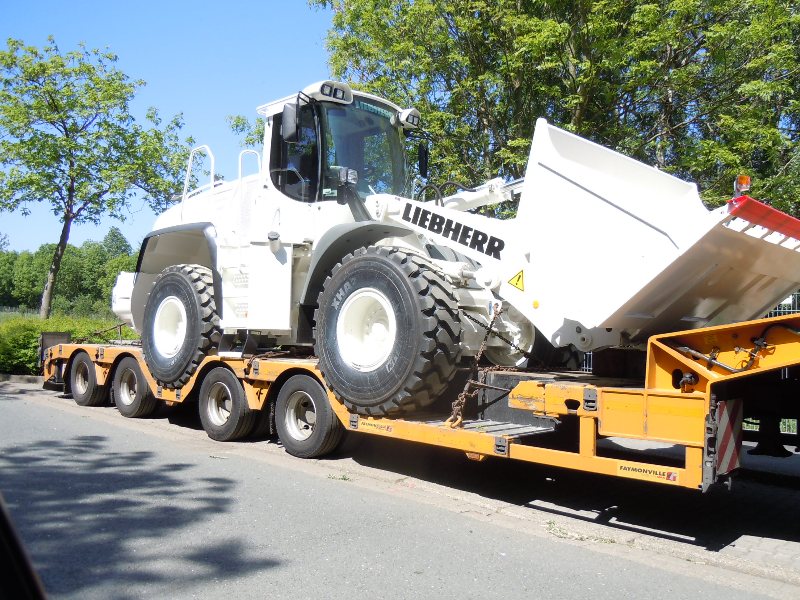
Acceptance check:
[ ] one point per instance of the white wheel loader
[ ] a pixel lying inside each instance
(325, 247)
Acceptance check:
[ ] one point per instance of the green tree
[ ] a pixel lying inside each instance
(67, 137)
(81, 269)
(115, 243)
(70, 277)
(701, 88)
(112, 268)
(30, 273)
(251, 132)
(7, 261)
(3, 242)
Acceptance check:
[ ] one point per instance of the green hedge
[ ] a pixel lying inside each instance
(19, 338)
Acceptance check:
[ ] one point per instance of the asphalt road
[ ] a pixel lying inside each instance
(118, 508)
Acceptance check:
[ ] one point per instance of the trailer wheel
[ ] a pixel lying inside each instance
(306, 423)
(83, 382)
(130, 391)
(224, 411)
(181, 323)
(388, 331)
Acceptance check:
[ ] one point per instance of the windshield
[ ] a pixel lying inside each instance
(360, 136)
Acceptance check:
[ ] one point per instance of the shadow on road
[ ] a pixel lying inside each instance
(93, 515)
(754, 507)
(86, 483)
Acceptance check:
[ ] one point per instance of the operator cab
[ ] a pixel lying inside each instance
(328, 138)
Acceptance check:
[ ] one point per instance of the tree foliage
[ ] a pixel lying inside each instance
(67, 138)
(250, 132)
(7, 262)
(19, 338)
(115, 243)
(703, 89)
(87, 276)
(30, 273)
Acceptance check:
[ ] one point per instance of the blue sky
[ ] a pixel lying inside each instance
(204, 59)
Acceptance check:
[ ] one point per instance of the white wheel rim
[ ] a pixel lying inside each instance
(81, 378)
(301, 415)
(169, 326)
(366, 330)
(127, 387)
(220, 403)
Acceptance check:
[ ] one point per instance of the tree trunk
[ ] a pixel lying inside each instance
(49, 285)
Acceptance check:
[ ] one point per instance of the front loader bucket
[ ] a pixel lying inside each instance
(621, 246)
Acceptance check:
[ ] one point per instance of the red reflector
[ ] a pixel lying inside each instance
(759, 213)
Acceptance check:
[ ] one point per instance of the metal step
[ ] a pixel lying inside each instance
(499, 428)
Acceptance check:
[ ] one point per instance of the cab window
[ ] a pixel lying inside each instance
(361, 136)
(294, 168)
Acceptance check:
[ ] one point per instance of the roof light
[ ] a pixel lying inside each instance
(407, 119)
(741, 184)
(329, 91)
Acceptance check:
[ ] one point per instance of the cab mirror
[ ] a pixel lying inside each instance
(422, 159)
(289, 123)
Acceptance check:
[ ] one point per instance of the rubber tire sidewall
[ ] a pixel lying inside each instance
(94, 394)
(144, 403)
(193, 287)
(170, 369)
(241, 419)
(328, 431)
(370, 388)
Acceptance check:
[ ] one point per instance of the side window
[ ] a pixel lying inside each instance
(294, 168)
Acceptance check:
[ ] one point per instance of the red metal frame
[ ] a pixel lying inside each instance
(758, 213)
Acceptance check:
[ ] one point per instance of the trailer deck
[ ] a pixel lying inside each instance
(700, 387)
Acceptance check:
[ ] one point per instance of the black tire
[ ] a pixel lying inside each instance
(83, 382)
(224, 411)
(306, 423)
(130, 392)
(172, 354)
(414, 367)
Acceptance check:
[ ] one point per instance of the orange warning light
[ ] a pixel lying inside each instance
(741, 185)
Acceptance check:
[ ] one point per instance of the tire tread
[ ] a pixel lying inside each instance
(201, 280)
(96, 394)
(144, 406)
(435, 365)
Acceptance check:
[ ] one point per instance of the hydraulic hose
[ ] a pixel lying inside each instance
(438, 189)
(759, 342)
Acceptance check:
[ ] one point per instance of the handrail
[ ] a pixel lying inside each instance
(197, 149)
(241, 160)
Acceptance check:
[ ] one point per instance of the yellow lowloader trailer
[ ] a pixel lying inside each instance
(699, 388)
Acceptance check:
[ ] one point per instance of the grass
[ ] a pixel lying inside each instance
(7, 313)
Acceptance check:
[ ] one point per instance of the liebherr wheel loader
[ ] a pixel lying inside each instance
(325, 247)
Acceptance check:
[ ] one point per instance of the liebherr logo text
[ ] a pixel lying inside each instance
(656, 473)
(466, 236)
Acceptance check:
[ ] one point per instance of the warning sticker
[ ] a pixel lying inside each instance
(518, 281)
